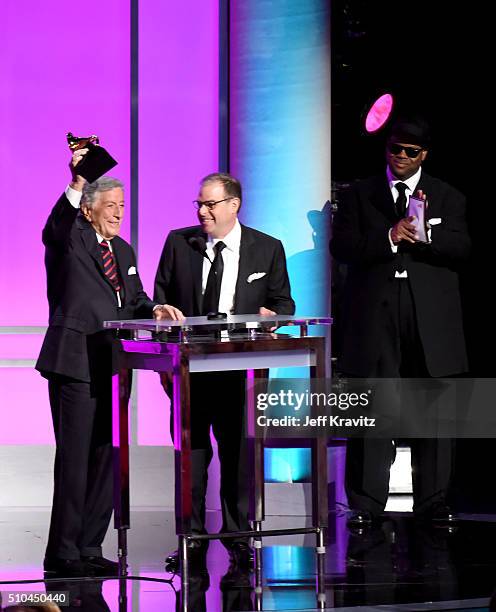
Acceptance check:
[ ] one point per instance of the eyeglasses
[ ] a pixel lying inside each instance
(209, 203)
(396, 149)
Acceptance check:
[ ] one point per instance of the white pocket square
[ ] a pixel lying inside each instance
(132, 270)
(255, 276)
(435, 221)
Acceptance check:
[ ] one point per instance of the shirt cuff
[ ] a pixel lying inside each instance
(394, 247)
(73, 196)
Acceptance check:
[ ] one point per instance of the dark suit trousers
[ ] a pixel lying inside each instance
(367, 460)
(82, 499)
(217, 403)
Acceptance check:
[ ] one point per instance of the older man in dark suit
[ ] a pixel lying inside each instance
(223, 266)
(402, 311)
(91, 277)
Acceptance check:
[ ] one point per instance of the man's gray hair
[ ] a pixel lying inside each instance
(91, 190)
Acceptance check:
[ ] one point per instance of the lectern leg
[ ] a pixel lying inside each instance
(256, 458)
(320, 586)
(320, 502)
(320, 510)
(183, 553)
(182, 455)
(120, 442)
(123, 607)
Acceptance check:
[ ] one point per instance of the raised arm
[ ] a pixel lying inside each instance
(58, 226)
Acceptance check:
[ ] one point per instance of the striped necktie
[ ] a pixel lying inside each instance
(109, 265)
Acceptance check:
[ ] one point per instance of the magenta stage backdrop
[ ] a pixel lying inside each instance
(62, 69)
(178, 144)
(65, 66)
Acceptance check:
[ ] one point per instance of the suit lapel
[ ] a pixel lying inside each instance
(88, 236)
(196, 263)
(382, 199)
(122, 261)
(246, 258)
(429, 188)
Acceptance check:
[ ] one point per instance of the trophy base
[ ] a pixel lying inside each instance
(95, 163)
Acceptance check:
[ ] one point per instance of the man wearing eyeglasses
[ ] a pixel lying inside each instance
(402, 310)
(221, 266)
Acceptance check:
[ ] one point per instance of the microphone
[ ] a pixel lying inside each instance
(199, 244)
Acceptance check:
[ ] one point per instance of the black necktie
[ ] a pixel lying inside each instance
(400, 204)
(214, 281)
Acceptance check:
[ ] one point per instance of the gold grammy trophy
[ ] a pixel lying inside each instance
(96, 162)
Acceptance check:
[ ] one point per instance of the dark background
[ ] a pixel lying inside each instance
(436, 59)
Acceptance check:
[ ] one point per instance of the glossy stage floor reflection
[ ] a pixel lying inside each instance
(401, 565)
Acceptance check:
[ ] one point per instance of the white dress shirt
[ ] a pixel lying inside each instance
(73, 196)
(230, 257)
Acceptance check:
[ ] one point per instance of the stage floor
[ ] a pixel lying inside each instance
(401, 565)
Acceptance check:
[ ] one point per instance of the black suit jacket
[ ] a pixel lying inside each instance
(81, 297)
(360, 239)
(179, 275)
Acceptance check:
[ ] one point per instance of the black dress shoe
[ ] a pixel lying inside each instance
(64, 568)
(197, 552)
(359, 519)
(100, 566)
(241, 556)
(235, 578)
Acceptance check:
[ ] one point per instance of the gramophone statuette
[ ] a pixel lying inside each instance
(77, 142)
(96, 162)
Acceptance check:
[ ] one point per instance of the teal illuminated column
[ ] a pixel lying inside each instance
(279, 145)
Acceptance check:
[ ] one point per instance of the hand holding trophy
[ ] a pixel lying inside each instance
(96, 162)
